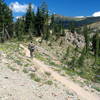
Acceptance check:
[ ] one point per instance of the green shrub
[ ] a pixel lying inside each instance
(49, 82)
(48, 73)
(34, 77)
(25, 71)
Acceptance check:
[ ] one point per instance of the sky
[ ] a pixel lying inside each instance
(73, 8)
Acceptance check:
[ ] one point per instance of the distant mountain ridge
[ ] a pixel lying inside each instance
(78, 21)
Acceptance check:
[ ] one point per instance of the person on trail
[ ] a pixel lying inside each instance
(31, 48)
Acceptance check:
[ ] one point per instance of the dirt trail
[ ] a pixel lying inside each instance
(81, 92)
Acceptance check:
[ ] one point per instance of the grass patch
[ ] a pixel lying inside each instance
(69, 71)
(48, 73)
(18, 62)
(96, 88)
(26, 65)
(25, 71)
(13, 69)
(40, 57)
(37, 79)
(29, 60)
(58, 69)
(52, 63)
(49, 82)
(34, 77)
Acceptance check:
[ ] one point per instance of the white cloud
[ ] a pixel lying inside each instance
(17, 17)
(17, 7)
(96, 14)
(79, 16)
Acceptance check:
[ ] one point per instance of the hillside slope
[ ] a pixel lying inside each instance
(27, 79)
(21, 79)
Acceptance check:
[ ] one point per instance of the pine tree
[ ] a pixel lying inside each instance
(19, 28)
(44, 10)
(80, 61)
(42, 16)
(52, 22)
(86, 32)
(9, 21)
(6, 22)
(52, 25)
(39, 23)
(30, 21)
(71, 27)
(96, 45)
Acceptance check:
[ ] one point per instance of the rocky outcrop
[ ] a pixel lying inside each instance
(75, 39)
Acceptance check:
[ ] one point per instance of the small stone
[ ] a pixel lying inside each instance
(6, 77)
